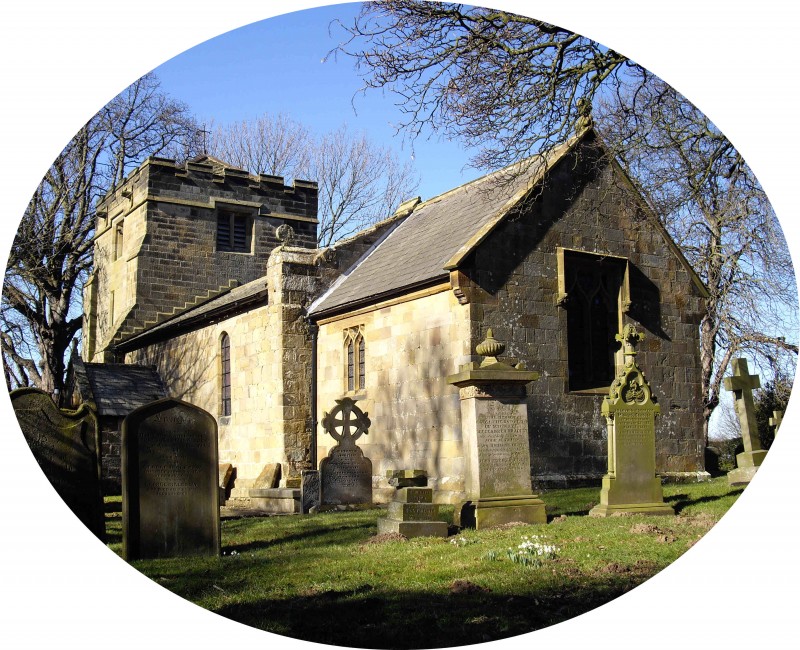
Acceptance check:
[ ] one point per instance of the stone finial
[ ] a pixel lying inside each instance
(284, 233)
(630, 338)
(585, 120)
(490, 348)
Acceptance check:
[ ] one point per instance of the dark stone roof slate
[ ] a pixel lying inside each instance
(204, 313)
(118, 389)
(416, 251)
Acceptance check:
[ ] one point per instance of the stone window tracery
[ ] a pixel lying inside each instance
(355, 354)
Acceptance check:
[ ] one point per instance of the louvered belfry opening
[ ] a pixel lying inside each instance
(233, 232)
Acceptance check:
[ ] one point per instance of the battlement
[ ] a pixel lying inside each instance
(205, 182)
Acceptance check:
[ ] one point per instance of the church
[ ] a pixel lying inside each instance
(208, 286)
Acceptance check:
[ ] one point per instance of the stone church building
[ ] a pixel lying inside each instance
(209, 287)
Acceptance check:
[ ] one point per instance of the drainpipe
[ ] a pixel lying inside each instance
(314, 329)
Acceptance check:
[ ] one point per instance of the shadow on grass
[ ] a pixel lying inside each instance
(372, 618)
(310, 537)
(681, 501)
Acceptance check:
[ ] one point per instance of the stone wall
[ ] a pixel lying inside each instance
(511, 281)
(169, 260)
(270, 419)
(411, 347)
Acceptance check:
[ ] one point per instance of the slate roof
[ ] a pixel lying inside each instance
(117, 389)
(205, 313)
(417, 251)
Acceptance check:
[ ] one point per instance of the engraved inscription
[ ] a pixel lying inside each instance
(635, 427)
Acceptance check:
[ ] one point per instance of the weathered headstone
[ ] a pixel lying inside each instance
(310, 489)
(65, 445)
(170, 491)
(742, 384)
(412, 512)
(631, 484)
(494, 422)
(346, 474)
(270, 477)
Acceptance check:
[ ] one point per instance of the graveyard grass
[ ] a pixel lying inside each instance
(327, 578)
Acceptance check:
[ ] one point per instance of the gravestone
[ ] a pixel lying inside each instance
(494, 424)
(742, 384)
(270, 477)
(776, 420)
(309, 490)
(631, 484)
(346, 474)
(170, 491)
(64, 444)
(412, 512)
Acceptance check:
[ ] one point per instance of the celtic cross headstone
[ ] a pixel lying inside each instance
(630, 484)
(742, 384)
(346, 474)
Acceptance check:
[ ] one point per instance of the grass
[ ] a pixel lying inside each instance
(325, 578)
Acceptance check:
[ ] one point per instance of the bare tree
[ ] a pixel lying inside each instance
(505, 84)
(52, 251)
(360, 182)
(720, 216)
(269, 144)
(513, 86)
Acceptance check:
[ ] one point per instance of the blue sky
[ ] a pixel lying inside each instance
(280, 65)
(61, 61)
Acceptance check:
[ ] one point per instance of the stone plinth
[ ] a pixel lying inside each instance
(275, 500)
(742, 384)
(494, 424)
(413, 514)
(631, 484)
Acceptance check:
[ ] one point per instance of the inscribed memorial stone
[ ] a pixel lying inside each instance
(170, 493)
(494, 422)
(631, 484)
(346, 474)
(64, 444)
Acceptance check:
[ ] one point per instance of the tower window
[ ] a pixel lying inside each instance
(118, 241)
(233, 232)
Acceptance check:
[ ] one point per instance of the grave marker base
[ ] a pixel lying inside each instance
(413, 514)
(615, 499)
(747, 464)
(488, 512)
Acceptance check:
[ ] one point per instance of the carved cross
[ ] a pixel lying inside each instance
(742, 384)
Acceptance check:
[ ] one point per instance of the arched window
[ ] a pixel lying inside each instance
(225, 374)
(355, 359)
(594, 285)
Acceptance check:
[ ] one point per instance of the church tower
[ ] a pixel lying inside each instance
(171, 237)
